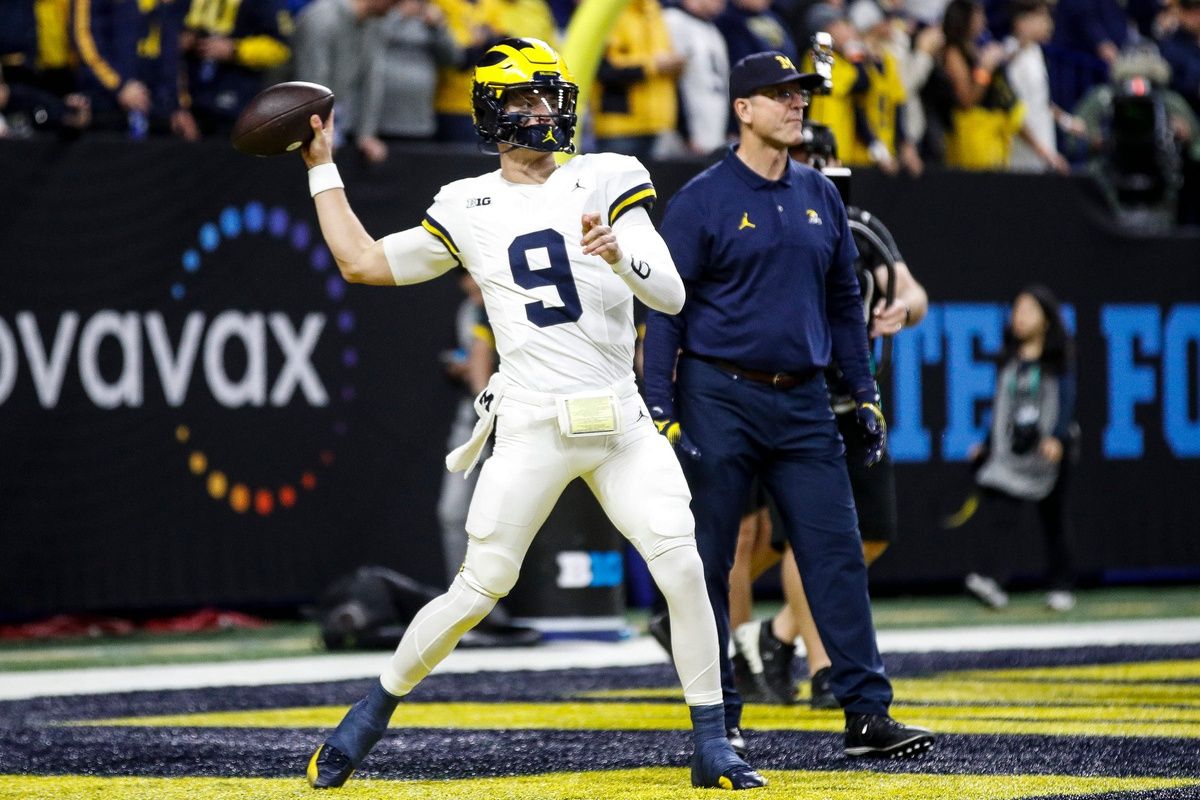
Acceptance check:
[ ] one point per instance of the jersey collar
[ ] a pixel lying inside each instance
(752, 178)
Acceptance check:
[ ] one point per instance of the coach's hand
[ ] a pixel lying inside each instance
(671, 429)
(873, 428)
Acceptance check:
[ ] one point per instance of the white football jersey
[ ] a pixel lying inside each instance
(563, 321)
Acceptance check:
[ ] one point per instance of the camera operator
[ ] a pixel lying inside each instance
(1139, 132)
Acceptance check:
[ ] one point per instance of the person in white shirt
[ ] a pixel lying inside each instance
(559, 253)
(702, 84)
(1034, 148)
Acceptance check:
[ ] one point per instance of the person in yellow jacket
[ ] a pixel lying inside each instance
(476, 25)
(844, 109)
(986, 114)
(635, 99)
(228, 46)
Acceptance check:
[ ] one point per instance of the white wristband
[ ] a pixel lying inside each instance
(324, 177)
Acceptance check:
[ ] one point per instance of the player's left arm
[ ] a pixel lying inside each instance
(637, 254)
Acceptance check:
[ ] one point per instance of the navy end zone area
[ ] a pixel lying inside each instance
(1113, 721)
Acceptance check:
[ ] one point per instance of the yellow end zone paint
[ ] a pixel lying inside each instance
(1133, 700)
(633, 784)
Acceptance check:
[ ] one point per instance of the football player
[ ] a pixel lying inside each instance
(559, 253)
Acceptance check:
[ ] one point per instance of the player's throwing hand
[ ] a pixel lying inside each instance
(320, 149)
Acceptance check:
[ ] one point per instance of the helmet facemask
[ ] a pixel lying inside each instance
(537, 115)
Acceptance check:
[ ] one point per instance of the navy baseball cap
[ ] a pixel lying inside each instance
(770, 68)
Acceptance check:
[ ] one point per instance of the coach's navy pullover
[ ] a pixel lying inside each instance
(768, 267)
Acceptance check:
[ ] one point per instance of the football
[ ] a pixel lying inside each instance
(276, 120)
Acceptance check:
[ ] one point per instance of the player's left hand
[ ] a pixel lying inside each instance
(599, 240)
(873, 428)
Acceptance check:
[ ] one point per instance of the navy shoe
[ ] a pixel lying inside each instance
(716, 766)
(359, 731)
(329, 768)
(881, 736)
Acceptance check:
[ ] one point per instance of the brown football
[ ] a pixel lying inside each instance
(276, 120)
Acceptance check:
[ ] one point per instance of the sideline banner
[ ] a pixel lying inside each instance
(196, 409)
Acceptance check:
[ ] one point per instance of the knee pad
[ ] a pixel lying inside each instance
(489, 568)
(671, 525)
(678, 570)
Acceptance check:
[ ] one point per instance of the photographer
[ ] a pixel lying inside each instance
(1026, 456)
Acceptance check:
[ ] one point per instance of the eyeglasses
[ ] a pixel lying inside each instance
(781, 94)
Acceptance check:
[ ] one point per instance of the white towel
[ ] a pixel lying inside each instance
(464, 457)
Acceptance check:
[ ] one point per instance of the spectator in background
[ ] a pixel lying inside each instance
(750, 26)
(882, 106)
(635, 100)
(468, 366)
(916, 48)
(986, 115)
(702, 85)
(452, 101)
(339, 44)
(476, 25)
(37, 85)
(228, 46)
(416, 43)
(129, 65)
(842, 111)
(1036, 148)
(1026, 456)
(1088, 37)
(1181, 49)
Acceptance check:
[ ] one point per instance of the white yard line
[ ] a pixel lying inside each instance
(562, 655)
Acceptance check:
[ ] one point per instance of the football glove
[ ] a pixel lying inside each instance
(873, 428)
(671, 429)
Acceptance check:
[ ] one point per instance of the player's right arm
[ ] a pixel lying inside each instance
(410, 256)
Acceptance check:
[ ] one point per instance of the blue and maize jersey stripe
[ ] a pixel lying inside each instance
(433, 226)
(642, 195)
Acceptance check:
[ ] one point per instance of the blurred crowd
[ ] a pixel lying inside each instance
(1026, 85)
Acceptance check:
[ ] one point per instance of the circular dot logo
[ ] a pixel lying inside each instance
(241, 493)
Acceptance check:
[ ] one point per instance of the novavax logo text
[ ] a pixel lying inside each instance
(143, 338)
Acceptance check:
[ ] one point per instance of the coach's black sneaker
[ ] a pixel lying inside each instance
(822, 697)
(329, 768)
(777, 659)
(881, 736)
(659, 626)
(737, 741)
(359, 731)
